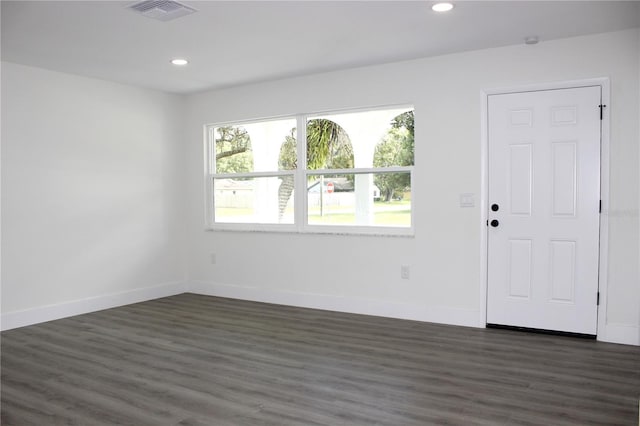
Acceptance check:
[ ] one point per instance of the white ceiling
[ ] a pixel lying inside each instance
(236, 42)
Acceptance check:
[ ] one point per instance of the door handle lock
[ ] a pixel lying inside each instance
(495, 223)
(495, 207)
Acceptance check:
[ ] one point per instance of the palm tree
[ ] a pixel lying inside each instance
(328, 146)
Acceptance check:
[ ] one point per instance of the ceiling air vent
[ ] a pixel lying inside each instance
(162, 10)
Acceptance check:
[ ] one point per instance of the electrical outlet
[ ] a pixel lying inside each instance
(405, 272)
(212, 258)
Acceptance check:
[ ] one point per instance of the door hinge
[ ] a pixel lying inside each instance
(602, 107)
(598, 299)
(600, 207)
(487, 222)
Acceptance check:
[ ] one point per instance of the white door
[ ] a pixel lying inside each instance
(544, 203)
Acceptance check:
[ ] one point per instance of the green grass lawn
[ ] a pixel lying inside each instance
(394, 213)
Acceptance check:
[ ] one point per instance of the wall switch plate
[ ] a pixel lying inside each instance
(467, 200)
(405, 272)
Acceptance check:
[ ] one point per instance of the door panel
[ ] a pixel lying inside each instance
(563, 266)
(520, 179)
(544, 174)
(563, 179)
(519, 268)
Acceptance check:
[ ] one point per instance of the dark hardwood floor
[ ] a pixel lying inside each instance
(194, 360)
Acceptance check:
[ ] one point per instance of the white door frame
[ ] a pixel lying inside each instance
(604, 189)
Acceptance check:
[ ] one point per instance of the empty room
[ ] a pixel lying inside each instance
(320, 213)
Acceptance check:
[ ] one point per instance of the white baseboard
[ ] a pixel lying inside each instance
(621, 333)
(613, 333)
(442, 315)
(91, 304)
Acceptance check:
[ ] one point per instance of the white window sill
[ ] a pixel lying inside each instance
(316, 230)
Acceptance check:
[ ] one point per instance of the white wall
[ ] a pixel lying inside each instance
(364, 272)
(91, 195)
(93, 190)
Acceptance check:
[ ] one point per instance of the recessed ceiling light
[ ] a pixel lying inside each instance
(442, 7)
(179, 61)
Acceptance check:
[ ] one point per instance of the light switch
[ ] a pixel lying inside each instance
(467, 200)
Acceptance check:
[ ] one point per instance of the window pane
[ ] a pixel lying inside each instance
(255, 147)
(379, 138)
(328, 145)
(370, 199)
(254, 200)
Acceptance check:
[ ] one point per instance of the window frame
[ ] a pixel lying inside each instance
(300, 174)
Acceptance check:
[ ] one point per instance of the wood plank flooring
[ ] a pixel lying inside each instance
(192, 360)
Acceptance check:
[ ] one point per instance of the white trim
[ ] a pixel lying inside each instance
(384, 232)
(614, 333)
(604, 83)
(253, 175)
(380, 231)
(300, 206)
(208, 182)
(484, 215)
(323, 113)
(571, 84)
(360, 171)
(435, 314)
(251, 121)
(603, 270)
(253, 227)
(46, 313)
(319, 172)
(310, 115)
(620, 333)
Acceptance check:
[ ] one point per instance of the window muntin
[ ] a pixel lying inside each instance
(366, 157)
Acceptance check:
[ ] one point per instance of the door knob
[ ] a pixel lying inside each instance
(495, 223)
(495, 207)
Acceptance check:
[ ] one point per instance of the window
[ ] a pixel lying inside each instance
(352, 175)
(249, 173)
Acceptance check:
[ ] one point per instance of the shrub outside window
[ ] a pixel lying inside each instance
(353, 175)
